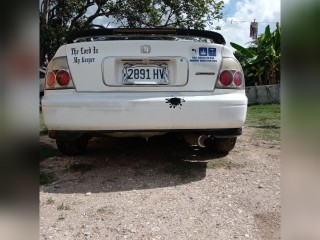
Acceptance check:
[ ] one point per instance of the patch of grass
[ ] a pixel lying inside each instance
(223, 163)
(267, 134)
(184, 169)
(266, 121)
(43, 129)
(47, 177)
(47, 151)
(63, 207)
(50, 201)
(80, 167)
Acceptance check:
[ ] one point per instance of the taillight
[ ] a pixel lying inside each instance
(237, 79)
(225, 78)
(63, 78)
(231, 75)
(58, 75)
(50, 79)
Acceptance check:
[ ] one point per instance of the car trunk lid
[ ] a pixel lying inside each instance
(144, 65)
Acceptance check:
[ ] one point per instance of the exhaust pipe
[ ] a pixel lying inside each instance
(202, 141)
(199, 140)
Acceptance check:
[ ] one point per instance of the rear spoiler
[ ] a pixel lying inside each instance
(216, 37)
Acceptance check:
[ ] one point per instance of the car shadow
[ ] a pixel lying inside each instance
(124, 164)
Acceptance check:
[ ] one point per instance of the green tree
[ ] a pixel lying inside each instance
(59, 17)
(261, 60)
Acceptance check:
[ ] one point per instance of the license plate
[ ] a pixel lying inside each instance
(145, 74)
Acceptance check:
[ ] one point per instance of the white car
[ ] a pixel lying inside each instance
(144, 82)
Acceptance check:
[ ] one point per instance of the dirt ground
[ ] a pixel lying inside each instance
(163, 189)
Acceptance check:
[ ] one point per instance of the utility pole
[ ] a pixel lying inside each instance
(254, 29)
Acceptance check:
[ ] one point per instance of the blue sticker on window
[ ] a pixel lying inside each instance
(203, 51)
(212, 51)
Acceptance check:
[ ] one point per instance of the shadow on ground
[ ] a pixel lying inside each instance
(124, 164)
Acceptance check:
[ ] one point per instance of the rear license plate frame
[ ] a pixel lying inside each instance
(145, 74)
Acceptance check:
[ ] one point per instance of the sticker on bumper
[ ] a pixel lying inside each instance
(175, 102)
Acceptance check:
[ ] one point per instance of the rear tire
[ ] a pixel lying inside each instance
(73, 147)
(223, 145)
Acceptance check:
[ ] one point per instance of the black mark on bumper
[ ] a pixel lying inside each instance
(175, 102)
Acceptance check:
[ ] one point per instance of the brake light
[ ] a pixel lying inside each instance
(237, 79)
(231, 75)
(58, 74)
(50, 79)
(63, 78)
(225, 78)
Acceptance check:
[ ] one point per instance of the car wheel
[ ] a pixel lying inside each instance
(73, 147)
(223, 145)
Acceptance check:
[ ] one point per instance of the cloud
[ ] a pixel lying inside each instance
(246, 11)
(262, 10)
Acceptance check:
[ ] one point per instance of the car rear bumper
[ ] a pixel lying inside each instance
(72, 111)
(217, 133)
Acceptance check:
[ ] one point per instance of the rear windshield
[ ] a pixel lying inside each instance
(155, 34)
(144, 37)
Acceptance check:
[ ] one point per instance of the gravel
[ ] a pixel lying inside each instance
(163, 189)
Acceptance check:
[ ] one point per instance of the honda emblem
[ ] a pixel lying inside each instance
(145, 49)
